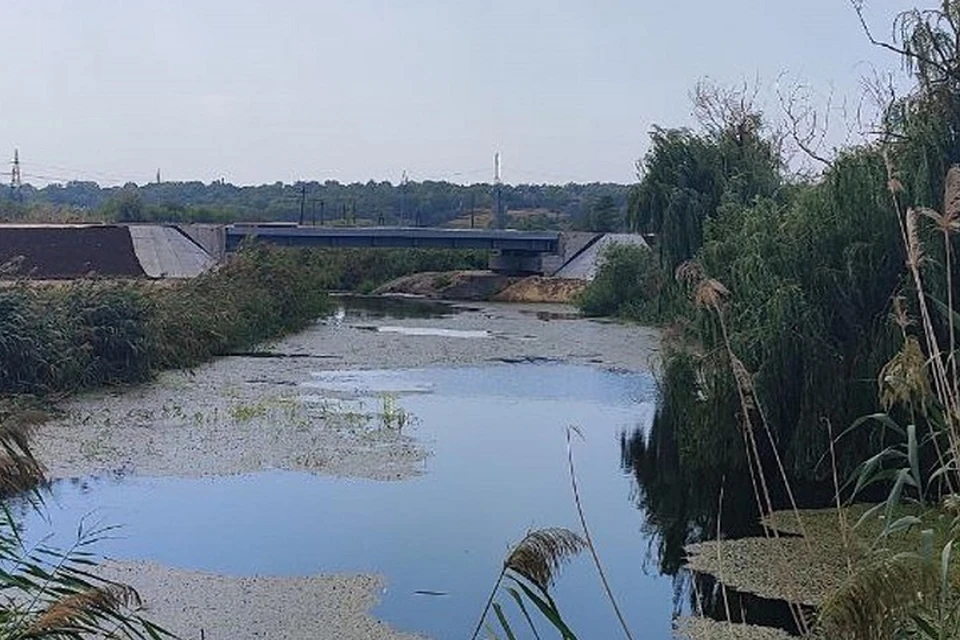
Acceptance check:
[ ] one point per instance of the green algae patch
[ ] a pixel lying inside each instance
(808, 557)
(691, 628)
(794, 569)
(812, 554)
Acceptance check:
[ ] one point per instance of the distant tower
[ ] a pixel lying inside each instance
(158, 176)
(403, 199)
(16, 182)
(498, 188)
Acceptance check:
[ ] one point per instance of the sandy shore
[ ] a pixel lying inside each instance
(246, 414)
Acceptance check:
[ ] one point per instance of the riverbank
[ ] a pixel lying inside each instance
(252, 412)
(486, 286)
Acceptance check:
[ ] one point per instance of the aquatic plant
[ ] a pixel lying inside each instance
(50, 593)
(913, 593)
(87, 333)
(392, 415)
(259, 294)
(530, 568)
(535, 561)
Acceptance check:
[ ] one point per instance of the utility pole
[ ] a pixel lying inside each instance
(16, 182)
(303, 200)
(498, 188)
(158, 176)
(322, 205)
(403, 199)
(473, 206)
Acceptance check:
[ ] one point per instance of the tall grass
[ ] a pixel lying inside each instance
(259, 294)
(78, 335)
(822, 305)
(66, 337)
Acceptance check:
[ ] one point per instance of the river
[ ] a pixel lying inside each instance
(407, 441)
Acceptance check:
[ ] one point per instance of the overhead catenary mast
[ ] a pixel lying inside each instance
(497, 192)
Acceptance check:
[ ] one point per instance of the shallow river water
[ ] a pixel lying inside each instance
(496, 468)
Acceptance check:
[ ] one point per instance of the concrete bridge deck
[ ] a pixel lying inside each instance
(532, 242)
(515, 252)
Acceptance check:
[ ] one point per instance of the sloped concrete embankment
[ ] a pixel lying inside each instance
(59, 252)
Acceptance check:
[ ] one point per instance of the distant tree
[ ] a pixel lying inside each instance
(437, 202)
(126, 205)
(605, 215)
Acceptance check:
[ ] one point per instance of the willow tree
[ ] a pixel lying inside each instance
(686, 176)
(922, 127)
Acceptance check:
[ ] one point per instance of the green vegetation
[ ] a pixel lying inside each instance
(427, 203)
(47, 592)
(604, 216)
(59, 339)
(807, 271)
(51, 593)
(793, 317)
(527, 574)
(628, 284)
(363, 270)
(83, 334)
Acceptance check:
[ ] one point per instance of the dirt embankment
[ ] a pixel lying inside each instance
(68, 252)
(540, 289)
(484, 286)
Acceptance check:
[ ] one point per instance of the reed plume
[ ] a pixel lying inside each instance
(79, 612)
(541, 553)
(536, 558)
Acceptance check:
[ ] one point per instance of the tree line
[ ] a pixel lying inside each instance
(427, 203)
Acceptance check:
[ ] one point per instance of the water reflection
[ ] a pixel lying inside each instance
(375, 307)
(743, 607)
(681, 505)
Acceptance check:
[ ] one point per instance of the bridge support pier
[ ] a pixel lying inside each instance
(516, 262)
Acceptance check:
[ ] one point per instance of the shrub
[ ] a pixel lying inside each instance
(628, 284)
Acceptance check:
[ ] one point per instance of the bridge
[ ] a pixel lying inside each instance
(512, 251)
(53, 251)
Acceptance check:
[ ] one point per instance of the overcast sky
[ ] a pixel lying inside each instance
(256, 91)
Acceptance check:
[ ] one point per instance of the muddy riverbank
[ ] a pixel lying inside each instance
(293, 406)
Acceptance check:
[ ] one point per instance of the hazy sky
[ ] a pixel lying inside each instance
(258, 91)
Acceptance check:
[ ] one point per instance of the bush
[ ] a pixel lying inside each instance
(628, 284)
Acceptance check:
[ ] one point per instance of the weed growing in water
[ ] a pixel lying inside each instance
(392, 415)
